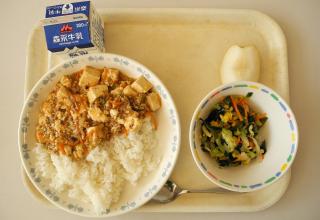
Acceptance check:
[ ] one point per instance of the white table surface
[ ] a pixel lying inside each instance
(300, 22)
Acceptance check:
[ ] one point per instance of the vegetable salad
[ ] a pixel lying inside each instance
(229, 133)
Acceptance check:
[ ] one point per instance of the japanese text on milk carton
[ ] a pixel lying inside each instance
(73, 29)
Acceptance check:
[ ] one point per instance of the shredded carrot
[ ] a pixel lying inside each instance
(236, 108)
(39, 135)
(245, 107)
(78, 74)
(214, 123)
(116, 103)
(61, 148)
(245, 101)
(246, 115)
(125, 132)
(238, 140)
(85, 150)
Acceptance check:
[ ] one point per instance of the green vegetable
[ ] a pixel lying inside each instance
(249, 94)
(206, 132)
(244, 139)
(228, 133)
(263, 147)
(229, 139)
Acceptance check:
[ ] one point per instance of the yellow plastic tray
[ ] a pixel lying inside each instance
(185, 47)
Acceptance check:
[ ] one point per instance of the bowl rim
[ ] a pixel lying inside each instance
(211, 94)
(169, 170)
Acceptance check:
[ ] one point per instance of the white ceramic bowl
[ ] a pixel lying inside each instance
(168, 133)
(280, 133)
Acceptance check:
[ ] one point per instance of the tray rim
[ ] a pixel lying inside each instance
(179, 11)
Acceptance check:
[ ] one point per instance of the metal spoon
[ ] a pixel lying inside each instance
(170, 191)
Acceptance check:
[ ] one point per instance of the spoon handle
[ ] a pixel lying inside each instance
(215, 190)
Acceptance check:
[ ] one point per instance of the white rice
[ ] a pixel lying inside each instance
(100, 179)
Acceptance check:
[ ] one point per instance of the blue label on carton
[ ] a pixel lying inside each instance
(68, 35)
(67, 9)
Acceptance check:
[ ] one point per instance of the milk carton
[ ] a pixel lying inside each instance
(73, 29)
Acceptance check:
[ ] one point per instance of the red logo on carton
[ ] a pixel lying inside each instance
(66, 28)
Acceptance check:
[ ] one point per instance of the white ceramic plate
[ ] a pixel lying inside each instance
(168, 134)
(280, 133)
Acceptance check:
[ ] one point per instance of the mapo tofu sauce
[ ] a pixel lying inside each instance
(91, 106)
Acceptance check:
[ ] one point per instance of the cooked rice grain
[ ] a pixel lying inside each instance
(100, 179)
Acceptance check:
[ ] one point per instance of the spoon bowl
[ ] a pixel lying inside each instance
(171, 191)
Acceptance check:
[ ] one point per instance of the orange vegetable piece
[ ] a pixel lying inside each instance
(234, 104)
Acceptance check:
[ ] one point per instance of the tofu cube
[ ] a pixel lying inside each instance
(95, 134)
(141, 85)
(97, 115)
(66, 81)
(117, 91)
(94, 130)
(90, 76)
(96, 91)
(129, 91)
(154, 101)
(110, 75)
(63, 95)
(114, 74)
